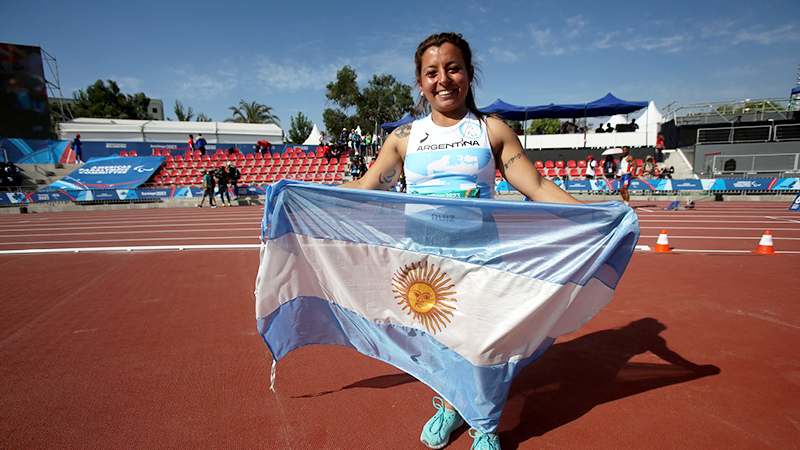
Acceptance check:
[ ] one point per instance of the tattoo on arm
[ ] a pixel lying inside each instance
(388, 178)
(513, 158)
(403, 131)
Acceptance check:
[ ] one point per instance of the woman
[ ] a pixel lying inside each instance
(454, 127)
(610, 168)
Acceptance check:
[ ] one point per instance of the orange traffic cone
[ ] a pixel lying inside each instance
(765, 246)
(662, 245)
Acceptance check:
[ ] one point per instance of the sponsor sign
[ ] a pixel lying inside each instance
(110, 173)
(687, 185)
(795, 204)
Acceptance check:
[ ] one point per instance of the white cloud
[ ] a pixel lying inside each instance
(129, 85)
(765, 37)
(292, 76)
(503, 54)
(194, 84)
(575, 25)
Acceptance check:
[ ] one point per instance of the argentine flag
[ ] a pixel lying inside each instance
(460, 293)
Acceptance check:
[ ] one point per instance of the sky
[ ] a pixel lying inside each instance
(212, 54)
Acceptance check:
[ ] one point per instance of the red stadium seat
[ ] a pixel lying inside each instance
(239, 163)
(539, 165)
(562, 173)
(302, 169)
(343, 167)
(334, 161)
(293, 169)
(551, 173)
(308, 177)
(170, 165)
(328, 177)
(169, 158)
(319, 177)
(542, 172)
(638, 162)
(559, 164)
(549, 165)
(269, 179)
(312, 169)
(249, 162)
(248, 179)
(278, 177)
(582, 163)
(498, 175)
(133, 153)
(250, 156)
(123, 153)
(598, 172)
(338, 177)
(283, 170)
(259, 179)
(324, 161)
(263, 171)
(571, 164)
(273, 170)
(575, 173)
(194, 173)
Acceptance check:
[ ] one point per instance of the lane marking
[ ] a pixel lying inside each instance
(133, 240)
(146, 248)
(95, 233)
(781, 218)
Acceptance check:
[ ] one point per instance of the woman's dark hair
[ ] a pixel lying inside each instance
(437, 40)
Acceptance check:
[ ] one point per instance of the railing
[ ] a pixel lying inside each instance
(752, 133)
(748, 110)
(781, 163)
(787, 132)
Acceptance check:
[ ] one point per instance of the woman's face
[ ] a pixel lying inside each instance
(444, 78)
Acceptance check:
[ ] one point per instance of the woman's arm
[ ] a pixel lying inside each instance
(518, 169)
(386, 170)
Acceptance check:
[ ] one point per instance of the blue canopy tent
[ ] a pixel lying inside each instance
(389, 127)
(796, 90)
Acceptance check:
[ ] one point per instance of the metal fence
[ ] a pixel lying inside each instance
(776, 163)
(751, 133)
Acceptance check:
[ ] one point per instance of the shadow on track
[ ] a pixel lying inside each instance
(573, 377)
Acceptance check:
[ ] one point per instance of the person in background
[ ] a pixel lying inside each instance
(77, 147)
(591, 165)
(223, 178)
(609, 168)
(625, 174)
(660, 146)
(263, 147)
(191, 142)
(600, 129)
(208, 189)
(649, 168)
(633, 126)
(609, 128)
(233, 178)
(201, 144)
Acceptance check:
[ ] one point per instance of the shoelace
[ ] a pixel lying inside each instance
(438, 420)
(481, 439)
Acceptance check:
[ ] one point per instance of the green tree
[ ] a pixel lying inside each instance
(107, 101)
(252, 112)
(181, 114)
(544, 126)
(300, 130)
(384, 100)
(203, 118)
(751, 108)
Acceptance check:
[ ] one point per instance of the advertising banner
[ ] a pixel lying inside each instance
(110, 173)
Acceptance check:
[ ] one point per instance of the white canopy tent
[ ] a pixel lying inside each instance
(122, 130)
(313, 138)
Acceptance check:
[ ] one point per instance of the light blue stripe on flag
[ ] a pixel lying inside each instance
(460, 293)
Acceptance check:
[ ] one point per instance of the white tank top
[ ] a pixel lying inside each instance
(450, 161)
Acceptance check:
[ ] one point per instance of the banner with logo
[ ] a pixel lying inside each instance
(109, 173)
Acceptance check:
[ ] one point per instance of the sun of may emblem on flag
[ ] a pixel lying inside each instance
(424, 293)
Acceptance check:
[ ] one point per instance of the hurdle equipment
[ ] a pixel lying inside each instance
(765, 245)
(662, 245)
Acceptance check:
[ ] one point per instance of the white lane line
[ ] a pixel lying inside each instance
(720, 228)
(255, 237)
(146, 248)
(754, 238)
(162, 220)
(95, 233)
(647, 220)
(194, 225)
(781, 218)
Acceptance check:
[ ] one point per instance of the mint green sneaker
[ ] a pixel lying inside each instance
(484, 441)
(436, 432)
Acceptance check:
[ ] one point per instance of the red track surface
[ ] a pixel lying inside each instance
(159, 349)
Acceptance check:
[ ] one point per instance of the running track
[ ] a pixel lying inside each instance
(158, 349)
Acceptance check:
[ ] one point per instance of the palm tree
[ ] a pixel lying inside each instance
(253, 113)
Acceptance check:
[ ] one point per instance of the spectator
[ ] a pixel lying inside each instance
(633, 126)
(233, 178)
(625, 174)
(77, 147)
(321, 138)
(263, 147)
(660, 147)
(191, 142)
(600, 129)
(591, 165)
(609, 128)
(223, 177)
(208, 189)
(649, 168)
(609, 168)
(201, 144)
